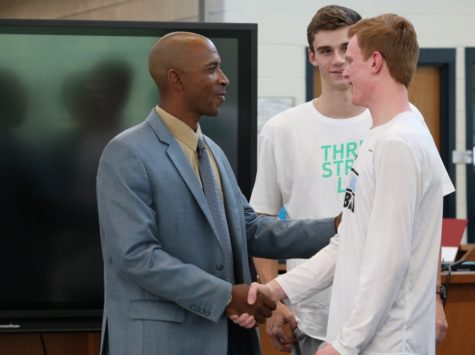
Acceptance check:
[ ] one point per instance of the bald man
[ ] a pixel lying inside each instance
(173, 275)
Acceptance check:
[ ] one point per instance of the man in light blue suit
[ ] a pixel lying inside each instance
(169, 287)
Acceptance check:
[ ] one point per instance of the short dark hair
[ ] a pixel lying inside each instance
(330, 18)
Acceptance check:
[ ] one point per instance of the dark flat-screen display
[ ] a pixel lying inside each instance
(66, 88)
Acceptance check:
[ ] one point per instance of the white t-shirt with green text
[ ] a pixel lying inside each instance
(303, 164)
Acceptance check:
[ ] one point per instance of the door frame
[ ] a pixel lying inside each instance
(469, 117)
(443, 58)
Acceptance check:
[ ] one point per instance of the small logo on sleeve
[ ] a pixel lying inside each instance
(349, 201)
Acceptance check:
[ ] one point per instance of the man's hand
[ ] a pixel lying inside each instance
(327, 349)
(260, 309)
(441, 324)
(276, 326)
(271, 289)
(257, 288)
(245, 320)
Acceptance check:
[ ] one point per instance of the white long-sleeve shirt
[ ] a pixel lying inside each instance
(385, 263)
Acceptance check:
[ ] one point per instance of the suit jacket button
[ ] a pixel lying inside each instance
(219, 266)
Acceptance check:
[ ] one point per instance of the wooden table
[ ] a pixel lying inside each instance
(460, 309)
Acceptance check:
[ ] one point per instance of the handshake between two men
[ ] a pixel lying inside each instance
(252, 304)
(247, 307)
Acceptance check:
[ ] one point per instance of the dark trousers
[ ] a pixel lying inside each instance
(241, 341)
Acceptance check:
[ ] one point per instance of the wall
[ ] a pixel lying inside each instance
(135, 10)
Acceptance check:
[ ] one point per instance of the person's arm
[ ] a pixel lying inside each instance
(441, 324)
(272, 238)
(310, 277)
(384, 260)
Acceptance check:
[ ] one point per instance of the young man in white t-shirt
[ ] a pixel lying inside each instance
(383, 264)
(305, 156)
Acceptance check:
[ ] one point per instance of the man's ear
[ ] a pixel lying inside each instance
(377, 62)
(174, 77)
(311, 58)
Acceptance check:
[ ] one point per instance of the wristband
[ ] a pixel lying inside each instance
(442, 292)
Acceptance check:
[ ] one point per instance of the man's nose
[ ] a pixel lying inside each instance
(339, 57)
(223, 79)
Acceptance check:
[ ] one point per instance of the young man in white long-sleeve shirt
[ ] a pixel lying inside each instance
(305, 156)
(383, 264)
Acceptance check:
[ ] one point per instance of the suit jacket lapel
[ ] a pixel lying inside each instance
(182, 165)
